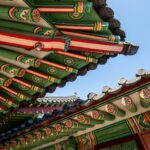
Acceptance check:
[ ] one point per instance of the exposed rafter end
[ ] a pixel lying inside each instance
(130, 49)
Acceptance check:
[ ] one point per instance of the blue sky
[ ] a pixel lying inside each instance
(134, 16)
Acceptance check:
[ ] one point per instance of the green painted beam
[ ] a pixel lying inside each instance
(28, 28)
(19, 14)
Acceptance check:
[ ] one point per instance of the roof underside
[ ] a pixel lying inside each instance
(45, 44)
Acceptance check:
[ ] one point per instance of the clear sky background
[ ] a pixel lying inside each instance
(134, 16)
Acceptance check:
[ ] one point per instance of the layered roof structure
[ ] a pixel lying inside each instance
(47, 106)
(124, 109)
(44, 44)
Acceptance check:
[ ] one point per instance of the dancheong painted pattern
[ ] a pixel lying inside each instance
(43, 45)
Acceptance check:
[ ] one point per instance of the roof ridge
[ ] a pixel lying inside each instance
(141, 73)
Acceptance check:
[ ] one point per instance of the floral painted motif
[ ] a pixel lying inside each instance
(145, 97)
(101, 115)
(145, 93)
(52, 70)
(5, 82)
(69, 61)
(115, 110)
(28, 60)
(47, 131)
(38, 136)
(36, 79)
(57, 127)
(24, 14)
(128, 103)
(81, 118)
(9, 69)
(25, 60)
(110, 108)
(69, 123)
(45, 31)
(95, 114)
(85, 119)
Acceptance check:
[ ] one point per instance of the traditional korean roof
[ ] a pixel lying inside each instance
(129, 99)
(45, 44)
(48, 105)
(25, 115)
(57, 99)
